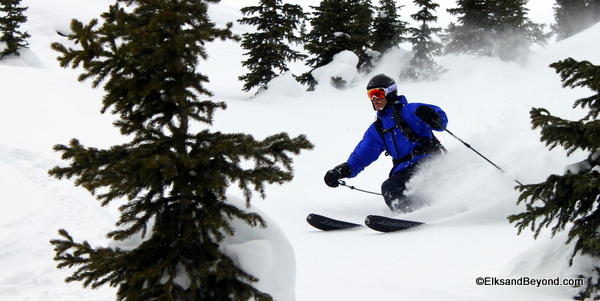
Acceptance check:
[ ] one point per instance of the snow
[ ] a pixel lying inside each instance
(583, 166)
(466, 236)
(343, 67)
(283, 85)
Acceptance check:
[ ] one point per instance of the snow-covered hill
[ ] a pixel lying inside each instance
(466, 236)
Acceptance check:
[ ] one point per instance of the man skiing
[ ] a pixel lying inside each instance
(404, 131)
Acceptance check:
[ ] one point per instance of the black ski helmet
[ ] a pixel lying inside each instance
(384, 81)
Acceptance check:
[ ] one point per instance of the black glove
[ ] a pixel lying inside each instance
(429, 116)
(332, 177)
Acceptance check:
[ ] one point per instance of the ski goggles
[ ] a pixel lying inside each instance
(378, 93)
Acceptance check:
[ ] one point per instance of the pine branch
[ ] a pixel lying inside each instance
(571, 135)
(94, 264)
(581, 74)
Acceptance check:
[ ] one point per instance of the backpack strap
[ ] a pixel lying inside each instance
(426, 145)
(405, 127)
(379, 127)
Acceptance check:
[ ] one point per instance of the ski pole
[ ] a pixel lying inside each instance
(354, 188)
(474, 150)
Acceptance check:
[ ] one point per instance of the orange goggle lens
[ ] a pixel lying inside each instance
(376, 93)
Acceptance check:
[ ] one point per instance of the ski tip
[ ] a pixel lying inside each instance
(312, 215)
(325, 223)
(381, 217)
(388, 224)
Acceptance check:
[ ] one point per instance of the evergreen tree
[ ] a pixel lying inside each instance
(276, 24)
(388, 30)
(516, 32)
(571, 199)
(337, 25)
(573, 16)
(9, 26)
(493, 28)
(173, 179)
(469, 35)
(422, 65)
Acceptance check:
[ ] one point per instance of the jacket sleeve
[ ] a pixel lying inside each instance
(422, 127)
(366, 152)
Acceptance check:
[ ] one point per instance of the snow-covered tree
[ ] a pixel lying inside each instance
(268, 47)
(571, 199)
(573, 16)
(425, 48)
(173, 180)
(11, 17)
(337, 26)
(493, 28)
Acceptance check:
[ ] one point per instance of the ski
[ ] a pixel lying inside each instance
(388, 224)
(375, 222)
(327, 224)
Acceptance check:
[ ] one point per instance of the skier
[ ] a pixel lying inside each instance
(404, 131)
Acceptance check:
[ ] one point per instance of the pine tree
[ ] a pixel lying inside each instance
(422, 65)
(9, 26)
(471, 32)
(493, 28)
(337, 26)
(516, 32)
(276, 24)
(173, 179)
(573, 16)
(571, 199)
(388, 30)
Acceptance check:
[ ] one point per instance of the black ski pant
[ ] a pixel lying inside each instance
(393, 189)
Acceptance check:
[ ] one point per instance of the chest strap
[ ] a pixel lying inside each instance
(426, 145)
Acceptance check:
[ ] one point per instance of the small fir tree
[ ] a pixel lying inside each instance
(337, 26)
(574, 16)
(422, 65)
(388, 30)
(268, 47)
(10, 21)
(571, 199)
(173, 179)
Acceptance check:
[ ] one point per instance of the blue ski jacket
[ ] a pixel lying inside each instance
(394, 141)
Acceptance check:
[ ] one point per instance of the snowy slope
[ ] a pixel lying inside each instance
(466, 236)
